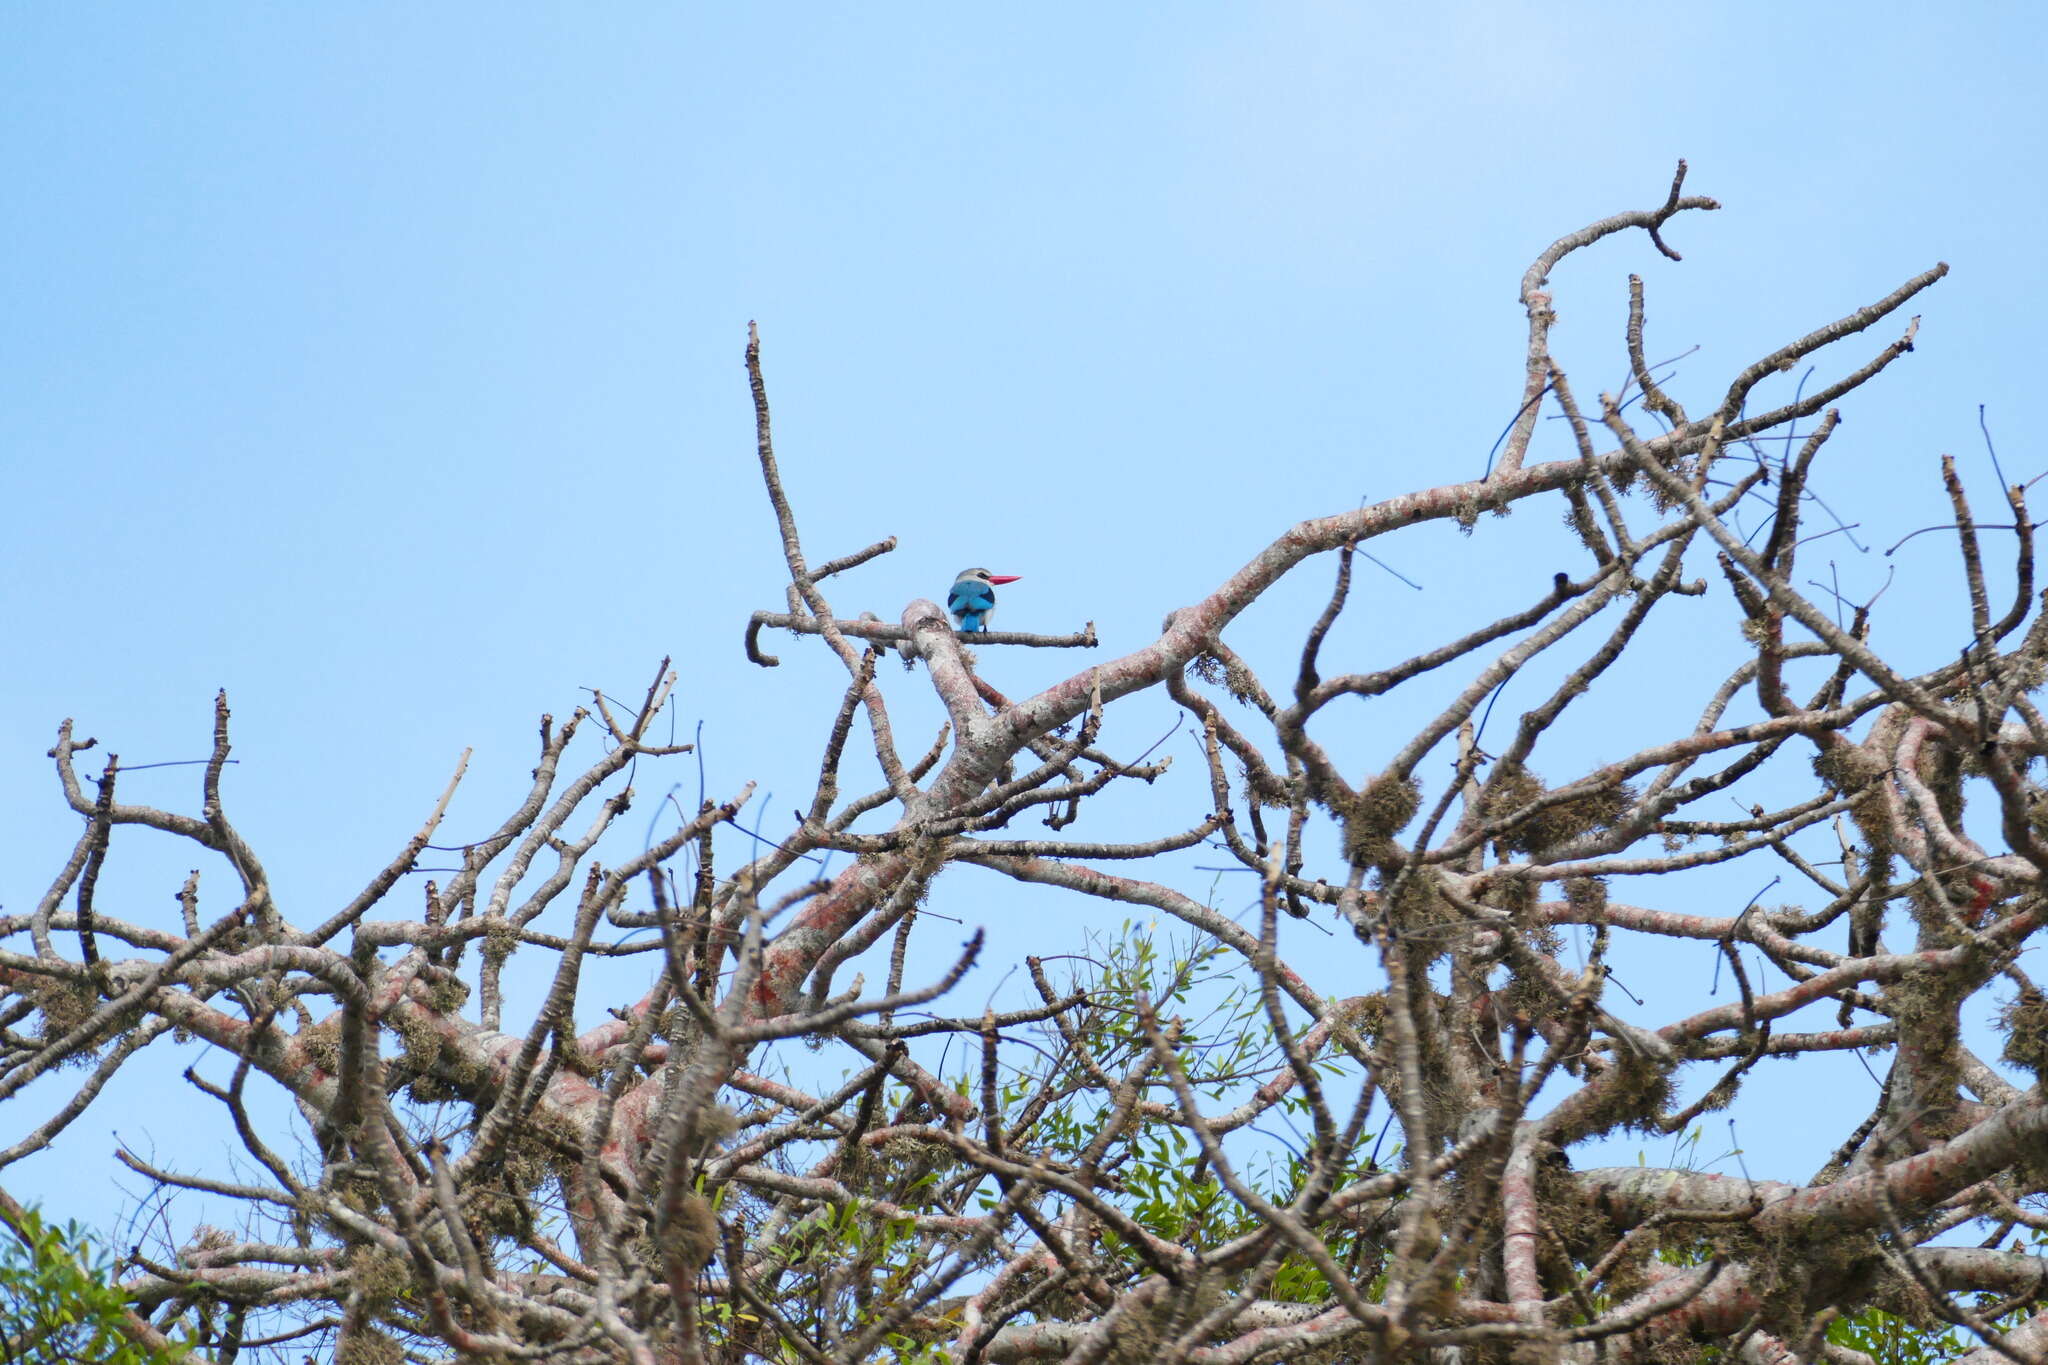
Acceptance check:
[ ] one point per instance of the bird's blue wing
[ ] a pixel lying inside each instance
(970, 602)
(970, 596)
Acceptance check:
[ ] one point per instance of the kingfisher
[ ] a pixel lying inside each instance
(973, 598)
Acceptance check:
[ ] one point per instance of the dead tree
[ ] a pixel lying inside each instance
(660, 1187)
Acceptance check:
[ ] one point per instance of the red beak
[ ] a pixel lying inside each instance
(1004, 577)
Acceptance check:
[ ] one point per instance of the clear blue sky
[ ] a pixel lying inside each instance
(380, 363)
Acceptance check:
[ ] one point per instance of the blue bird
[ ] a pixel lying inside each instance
(973, 598)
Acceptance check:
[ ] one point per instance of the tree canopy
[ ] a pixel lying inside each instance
(1184, 1146)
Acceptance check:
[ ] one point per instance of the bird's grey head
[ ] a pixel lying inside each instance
(979, 575)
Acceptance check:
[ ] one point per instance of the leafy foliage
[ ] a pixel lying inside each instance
(59, 1301)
